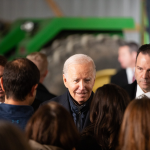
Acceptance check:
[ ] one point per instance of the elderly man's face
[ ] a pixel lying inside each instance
(142, 72)
(2, 94)
(80, 81)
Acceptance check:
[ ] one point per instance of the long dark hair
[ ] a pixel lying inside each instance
(106, 113)
(53, 125)
(12, 138)
(135, 128)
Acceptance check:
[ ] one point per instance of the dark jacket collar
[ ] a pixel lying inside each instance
(131, 89)
(12, 110)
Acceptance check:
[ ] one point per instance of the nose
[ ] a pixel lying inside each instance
(81, 85)
(145, 75)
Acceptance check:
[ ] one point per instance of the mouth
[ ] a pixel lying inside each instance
(81, 94)
(145, 82)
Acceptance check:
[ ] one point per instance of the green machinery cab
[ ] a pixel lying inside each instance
(30, 35)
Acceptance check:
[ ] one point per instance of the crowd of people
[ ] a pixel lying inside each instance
(115, 117)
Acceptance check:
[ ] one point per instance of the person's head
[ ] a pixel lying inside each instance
(135, 129)
(20, 79)
(52, 124)
(40, 60)
(142, 68)
(11, 138)
(127, 54)
(79, 76)
(3, 62)
(106, 113)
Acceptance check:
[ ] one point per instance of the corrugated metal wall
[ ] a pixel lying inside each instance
(11, 10)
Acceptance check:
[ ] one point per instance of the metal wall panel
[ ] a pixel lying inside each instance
(11, 10)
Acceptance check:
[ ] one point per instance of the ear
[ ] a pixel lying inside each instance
(65, 81)
(1, 82)
(33, 90)
(45, 74)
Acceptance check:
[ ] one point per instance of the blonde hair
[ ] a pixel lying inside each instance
(78, 59)
(40, 60)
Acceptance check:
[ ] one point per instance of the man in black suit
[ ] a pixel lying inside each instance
(141, 87)
(79, 76)
(40, 60)
(127, 57)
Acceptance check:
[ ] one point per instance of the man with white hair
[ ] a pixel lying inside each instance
(79, 76)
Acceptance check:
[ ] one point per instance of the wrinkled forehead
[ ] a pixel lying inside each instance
(79, 67)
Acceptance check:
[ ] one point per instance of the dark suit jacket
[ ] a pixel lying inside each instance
(43, 94)
(120, 78)
(64, 101)
(131, 89)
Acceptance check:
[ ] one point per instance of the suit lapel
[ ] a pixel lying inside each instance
(125, 77)
(87, 120)
(65, 101)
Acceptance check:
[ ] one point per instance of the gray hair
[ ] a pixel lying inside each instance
(40, 60)
(78, 59)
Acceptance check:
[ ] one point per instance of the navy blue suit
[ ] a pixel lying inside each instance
(64, 101)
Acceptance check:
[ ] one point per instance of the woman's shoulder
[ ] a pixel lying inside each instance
(37, 146)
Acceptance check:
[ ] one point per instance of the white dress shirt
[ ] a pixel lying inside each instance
(139, 92)
(130, 74)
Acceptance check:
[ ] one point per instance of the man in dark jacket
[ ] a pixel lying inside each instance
(141, 87)
(126, 57)
(20, 80)
(42, 94)
(40, 60)
(79, 76)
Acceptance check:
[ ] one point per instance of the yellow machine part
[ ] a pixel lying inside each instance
(103, 77)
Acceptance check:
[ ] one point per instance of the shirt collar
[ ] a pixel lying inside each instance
(139, 92)
(130, 74)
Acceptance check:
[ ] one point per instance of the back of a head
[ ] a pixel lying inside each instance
(78, 59)
(106, 113)
(52, 125)
(133, 47)
(19, 77)
(3, 61)
(40, 60)
(135, 129)
(11, 138)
